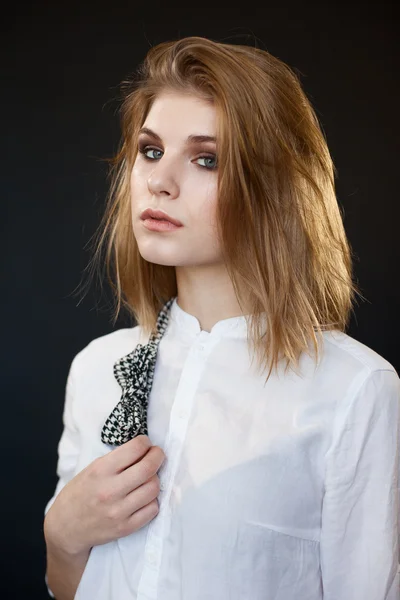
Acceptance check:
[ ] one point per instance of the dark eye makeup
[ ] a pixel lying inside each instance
(144, 148)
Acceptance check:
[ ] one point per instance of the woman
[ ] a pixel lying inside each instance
(224, 483)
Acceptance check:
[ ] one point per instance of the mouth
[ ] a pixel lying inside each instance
(159, 215)
(160, 225)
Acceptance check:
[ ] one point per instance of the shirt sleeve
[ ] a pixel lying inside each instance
(68, 446)
(360, 513)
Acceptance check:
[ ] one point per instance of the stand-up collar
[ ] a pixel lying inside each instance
(189, 324)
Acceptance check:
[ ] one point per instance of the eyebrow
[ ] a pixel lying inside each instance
(191, 139)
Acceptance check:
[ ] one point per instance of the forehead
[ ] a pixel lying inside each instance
(177, 116)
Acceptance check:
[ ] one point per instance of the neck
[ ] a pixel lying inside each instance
(207, 293)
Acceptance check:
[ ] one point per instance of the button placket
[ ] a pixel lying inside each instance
(180, 412)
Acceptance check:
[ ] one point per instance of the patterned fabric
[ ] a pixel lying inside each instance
(134, 372)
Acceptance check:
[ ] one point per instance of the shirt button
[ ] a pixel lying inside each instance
(201, 347)
(152, 557)
(182, 414)
(162, 485)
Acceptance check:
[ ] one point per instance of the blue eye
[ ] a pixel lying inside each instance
(206, 157)
(148, 149)
(209, 158)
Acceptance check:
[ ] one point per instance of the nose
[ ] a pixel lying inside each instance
(164, 179)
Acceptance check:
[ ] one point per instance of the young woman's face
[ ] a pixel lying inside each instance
(178, 176)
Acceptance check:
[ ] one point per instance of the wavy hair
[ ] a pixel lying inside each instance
(279, 222)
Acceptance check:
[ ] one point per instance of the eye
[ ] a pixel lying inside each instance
(144, 150)
(212, 158)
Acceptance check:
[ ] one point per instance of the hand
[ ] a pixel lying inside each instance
(111, 498)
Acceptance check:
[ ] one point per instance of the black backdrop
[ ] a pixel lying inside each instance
(62, 64)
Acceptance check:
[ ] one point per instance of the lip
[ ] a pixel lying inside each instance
(158, 215)
(155, 225)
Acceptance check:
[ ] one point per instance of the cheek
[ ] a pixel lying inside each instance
(209, 214)
(203, 224)
(133, 181)
(207, 209)
(136, 193)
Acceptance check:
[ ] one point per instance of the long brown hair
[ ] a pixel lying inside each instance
(279, 222)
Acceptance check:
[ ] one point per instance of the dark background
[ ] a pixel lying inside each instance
(62, 65)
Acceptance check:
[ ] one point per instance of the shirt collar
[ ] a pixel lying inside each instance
(189, 324)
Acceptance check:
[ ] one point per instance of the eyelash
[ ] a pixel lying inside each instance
(144, 149)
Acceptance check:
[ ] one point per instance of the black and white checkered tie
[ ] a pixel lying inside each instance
(134, 372)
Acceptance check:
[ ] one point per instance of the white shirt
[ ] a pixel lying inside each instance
(288, 491)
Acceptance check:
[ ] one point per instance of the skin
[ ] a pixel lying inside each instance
(180, 179)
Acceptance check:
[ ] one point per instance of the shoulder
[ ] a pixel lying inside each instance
(106, 349)
(341, 349)
(366, 388)
(358, 374)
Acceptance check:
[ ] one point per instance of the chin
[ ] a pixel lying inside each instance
(157, 258)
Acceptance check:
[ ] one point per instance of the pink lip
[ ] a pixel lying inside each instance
(151, 213)
(156, 225)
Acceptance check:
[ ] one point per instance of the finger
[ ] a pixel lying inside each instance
(128, 454)
(141, 496)
(137, 474)
(141, 517)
